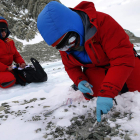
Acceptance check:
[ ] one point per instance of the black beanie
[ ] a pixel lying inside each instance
(3, 25)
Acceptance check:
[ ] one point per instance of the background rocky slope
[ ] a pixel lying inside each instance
(22, 16)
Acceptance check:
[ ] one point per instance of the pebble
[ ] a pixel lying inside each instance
(2, 108)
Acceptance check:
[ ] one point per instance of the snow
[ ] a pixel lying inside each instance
(38, 38)
(56, 91)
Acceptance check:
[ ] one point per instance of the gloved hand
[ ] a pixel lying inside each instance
(103, 105)
(83, 88)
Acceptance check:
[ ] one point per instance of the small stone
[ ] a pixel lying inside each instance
(6, 116)
(33, 100)
(127, 137)
(98, 136)
(78, 122)
(82, 117)
(113, 119)
(1, 116)
(65, 110)
(84, 106)
(3, 104)
(38, 130)
(116, 114)
(2, 108)
(45, 106)
(90, 136)
(6, 111)
(74, 119)
(27, 107)
(45, 136)
(115, 133)
(106, 138)
(15, 101)
(42, 98)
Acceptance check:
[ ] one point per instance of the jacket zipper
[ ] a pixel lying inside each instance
(94, 53)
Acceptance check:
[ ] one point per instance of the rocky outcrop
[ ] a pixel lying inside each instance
(132, 37)
(22, 15)
(41, 51)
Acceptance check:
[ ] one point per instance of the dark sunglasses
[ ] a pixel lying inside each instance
(3, 30)
(66, 41)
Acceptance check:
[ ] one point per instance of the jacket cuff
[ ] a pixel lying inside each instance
(104, 93)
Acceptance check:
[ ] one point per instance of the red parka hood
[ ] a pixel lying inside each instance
(89, 9)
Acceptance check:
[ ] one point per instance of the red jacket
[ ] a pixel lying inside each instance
(8, 54)
(110, 45)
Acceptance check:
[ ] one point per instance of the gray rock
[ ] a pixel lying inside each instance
(127, 137)
(2, 108)
(7, 111)
(22, 16)
(1, 116)
(106, 138)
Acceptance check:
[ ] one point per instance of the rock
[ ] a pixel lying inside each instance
(15, 101)
(127, 137)
(7, 111)
(45, 136)
(42, 98)
(2, 108)
(106, 138)
(113, 119)
(22, 16)
(98, 137)
(65, 110)
(38, 130)
(1, 116)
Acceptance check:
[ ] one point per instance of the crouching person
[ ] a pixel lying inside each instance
(95, 41)
(8, 54)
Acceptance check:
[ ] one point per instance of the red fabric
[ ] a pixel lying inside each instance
(7, 77)
(59, 40)
(110, 45)
(98, 75)
(8, 54)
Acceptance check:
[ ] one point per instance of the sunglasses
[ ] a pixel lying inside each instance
(68, 42)
(3, 30)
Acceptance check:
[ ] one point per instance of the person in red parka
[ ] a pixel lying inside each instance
(95, 51)
(8, 54)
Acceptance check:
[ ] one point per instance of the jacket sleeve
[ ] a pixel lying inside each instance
(75, 72)
(119, 50)
(17, 57)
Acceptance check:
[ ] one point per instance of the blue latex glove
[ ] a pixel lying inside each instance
(103, 105)
(83, 88)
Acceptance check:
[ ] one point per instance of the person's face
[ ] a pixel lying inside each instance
(3, 32)
(69, 42)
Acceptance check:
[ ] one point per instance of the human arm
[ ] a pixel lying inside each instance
(18, 58)
(116, 44)
(73, 69)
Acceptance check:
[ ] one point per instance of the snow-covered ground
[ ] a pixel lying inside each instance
(24, 120)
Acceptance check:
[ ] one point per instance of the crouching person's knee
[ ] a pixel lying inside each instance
(7, 79)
